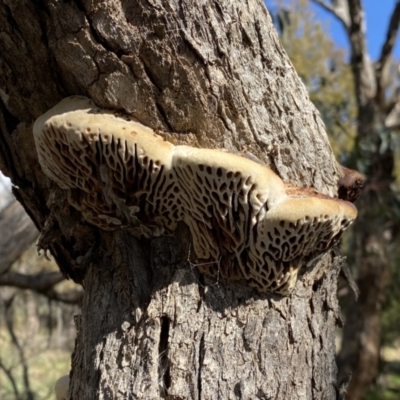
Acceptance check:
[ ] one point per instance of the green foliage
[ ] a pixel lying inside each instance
(323, 69)
(388, 389)
(390, 316)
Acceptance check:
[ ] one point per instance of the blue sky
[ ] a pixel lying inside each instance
(377, 17)
(377, 14)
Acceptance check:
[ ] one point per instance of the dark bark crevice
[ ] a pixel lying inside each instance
(164, 375)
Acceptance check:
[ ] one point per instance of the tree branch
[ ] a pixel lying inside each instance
(392, 120)
(391, 35)
(363, 70)
(9, 375)
(70, 297)
(351, 14)
(387, 48)
(338, 8)
(42, 283)
(326, 6)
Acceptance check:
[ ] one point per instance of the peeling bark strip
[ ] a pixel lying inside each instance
(215, 73)
(17, 232)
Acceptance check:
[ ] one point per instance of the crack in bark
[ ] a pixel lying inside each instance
(9, 124)
(201, 359)
(151, 77)
(164, 376)
(164, 115)
(98, 37)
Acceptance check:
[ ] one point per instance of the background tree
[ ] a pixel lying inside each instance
(36, 333)
(376, 229)
(322, 67)
(212, 75)
(371, 150)
(36, 329)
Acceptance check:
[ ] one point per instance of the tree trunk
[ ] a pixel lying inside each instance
(373, 235)
(209, 74)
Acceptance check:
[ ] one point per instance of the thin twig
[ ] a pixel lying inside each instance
(10, 377)
(391, 36)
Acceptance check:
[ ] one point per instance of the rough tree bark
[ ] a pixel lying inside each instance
(376, 227)
(210, 74)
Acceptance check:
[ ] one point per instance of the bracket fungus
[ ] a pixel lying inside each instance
(119, 173)
(61, 388)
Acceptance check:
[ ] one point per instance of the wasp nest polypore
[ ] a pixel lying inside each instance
(119, 173)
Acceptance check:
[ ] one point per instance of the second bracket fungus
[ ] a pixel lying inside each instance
(119, 173)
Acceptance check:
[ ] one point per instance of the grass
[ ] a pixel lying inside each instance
(45, 365)
(389, 389)
(388, 383)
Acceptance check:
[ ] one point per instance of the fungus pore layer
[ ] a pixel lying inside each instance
(244, 220)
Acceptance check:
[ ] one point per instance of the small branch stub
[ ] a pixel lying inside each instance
(119, 173)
